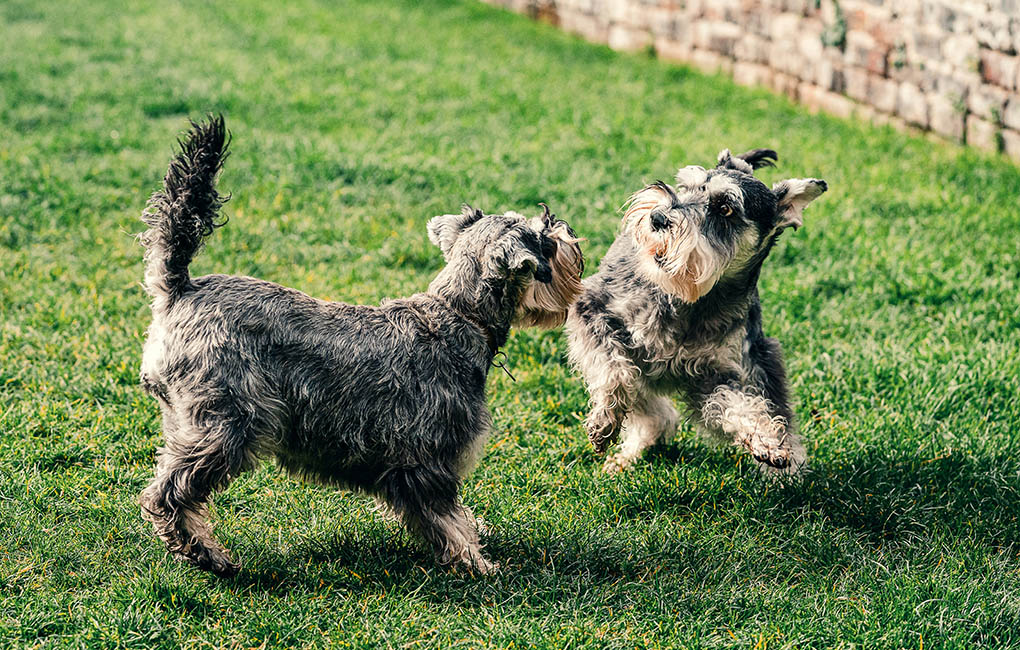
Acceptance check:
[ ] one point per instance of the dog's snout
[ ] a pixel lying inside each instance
(659, 220)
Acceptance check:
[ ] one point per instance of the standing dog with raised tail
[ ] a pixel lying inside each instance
(674, 310)
(388, 400)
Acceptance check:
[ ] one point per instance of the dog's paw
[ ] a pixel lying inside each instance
(602, 433)
(777, 458)
(477, 565)
(618, 463)
(484, 567)
(214, 561)
(482, 527)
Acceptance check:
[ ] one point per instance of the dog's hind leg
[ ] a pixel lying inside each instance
(427, 502)
(650, 420)
(196, 461)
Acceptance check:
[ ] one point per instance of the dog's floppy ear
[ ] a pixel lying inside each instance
(444, 229)
(521, 259)
(792, 196)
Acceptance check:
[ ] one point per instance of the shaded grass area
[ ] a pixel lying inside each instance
(897, 305)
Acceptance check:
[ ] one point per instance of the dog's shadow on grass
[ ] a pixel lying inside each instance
(886, 496)
(877, 496)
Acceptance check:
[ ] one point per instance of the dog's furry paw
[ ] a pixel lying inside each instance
(618, 463)
(477, 565)
(482, 527)
(602, 433)
(778, 458)
(213, 561)
(484, 567)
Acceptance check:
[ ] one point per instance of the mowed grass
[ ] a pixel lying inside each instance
(897, 305)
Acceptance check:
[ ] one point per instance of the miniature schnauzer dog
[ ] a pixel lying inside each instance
(388, 400)
(674, 308)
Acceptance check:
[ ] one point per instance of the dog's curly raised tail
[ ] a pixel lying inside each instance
(184, 212)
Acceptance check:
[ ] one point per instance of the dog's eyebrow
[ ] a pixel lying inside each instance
(691, 176)
(670, 193)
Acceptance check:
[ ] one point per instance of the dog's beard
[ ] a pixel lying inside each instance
(680, 259)
(545, 304)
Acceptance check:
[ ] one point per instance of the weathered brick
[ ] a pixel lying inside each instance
(999, 69)
(992, 30)
(718, 37)
(753, 49)
(912, 105)
(962, 52)
(783, 57)
(710, 62)
(670, 50)
(661, 22)
(830, 75)
(785, 27)
(628, 39)
(947, 118)
(786, 84)
(982, 134)
(856, 83)
(1011, 113)
(925, 44)
(835, 104)
(809, 44)
(863, 51)
(751, 74)
(1011, 143)
(873, 19)
(584, 25)
(987, 102)
(883, 93)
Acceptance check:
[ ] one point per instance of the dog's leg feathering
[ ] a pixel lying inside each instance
(426, 501)
(195, 463)
(743, 415)
(650, 421)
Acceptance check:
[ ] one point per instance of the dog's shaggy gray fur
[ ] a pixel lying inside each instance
(674, 309)
(389, 400)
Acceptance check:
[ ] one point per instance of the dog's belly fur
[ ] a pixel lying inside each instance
(274, 359)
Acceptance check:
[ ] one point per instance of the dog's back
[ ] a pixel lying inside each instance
(320, 382)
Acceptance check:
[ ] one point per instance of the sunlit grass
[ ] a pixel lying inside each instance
(897, 305)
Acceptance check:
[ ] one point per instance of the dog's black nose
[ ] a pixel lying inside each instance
(659, 220)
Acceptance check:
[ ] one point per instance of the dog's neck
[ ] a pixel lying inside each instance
(489, 303)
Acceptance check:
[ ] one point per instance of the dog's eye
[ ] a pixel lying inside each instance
(727, 211)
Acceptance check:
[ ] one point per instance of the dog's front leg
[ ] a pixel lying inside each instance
(652, 418)
(608, 410)
(743, 414)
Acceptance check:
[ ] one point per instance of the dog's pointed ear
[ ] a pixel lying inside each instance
(548, 218)
(792, 196)
(748, 161)
(727, 160)
(444, 229)
(758, 158)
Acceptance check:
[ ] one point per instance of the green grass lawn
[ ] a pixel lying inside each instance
(897, 305)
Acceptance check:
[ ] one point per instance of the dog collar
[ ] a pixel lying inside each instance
(499, 358)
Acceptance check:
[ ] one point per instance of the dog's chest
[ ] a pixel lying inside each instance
(669, 346)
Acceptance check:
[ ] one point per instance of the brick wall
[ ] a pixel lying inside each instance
(951, 67)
